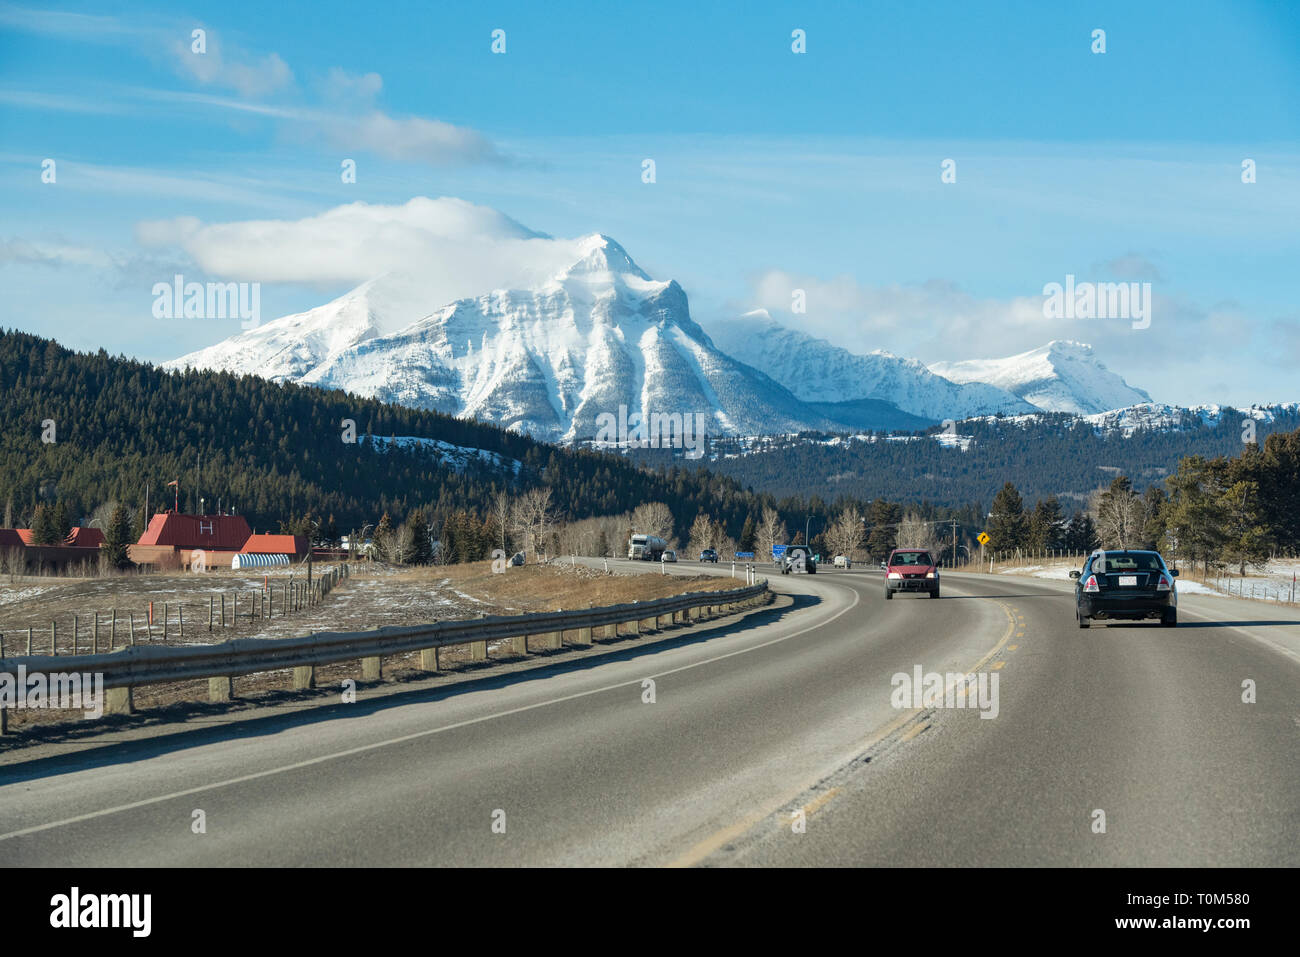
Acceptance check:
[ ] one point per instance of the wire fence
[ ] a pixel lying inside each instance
(161, 621)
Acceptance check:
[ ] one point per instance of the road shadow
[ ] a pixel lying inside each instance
(1261, 623)
(1002, 595)
(329, 708)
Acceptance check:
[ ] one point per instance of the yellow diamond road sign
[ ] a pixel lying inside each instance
(982, 538)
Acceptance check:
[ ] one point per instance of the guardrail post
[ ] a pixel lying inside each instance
(478, 651)
(304, 678)
(584, 634)
(372, 669)
(636, 626)
(429, 659)
(519, 645)
(554, 641)
(119, 701)
(220, 689)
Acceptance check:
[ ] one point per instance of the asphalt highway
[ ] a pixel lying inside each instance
(765, 740)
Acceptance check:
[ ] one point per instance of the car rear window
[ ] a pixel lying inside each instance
(911, 558)
(1116, 562)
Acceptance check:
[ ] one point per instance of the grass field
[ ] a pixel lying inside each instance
(374, 596)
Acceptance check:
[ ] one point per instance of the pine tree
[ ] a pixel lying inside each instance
(1245, 537)
(117, 537)
(883, 517)
(1047, 524)
(417, 549)
(748, 534)
(62, 524)
(45, 527)
(1008, 527)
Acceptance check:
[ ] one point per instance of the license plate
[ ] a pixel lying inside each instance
(1128, 580)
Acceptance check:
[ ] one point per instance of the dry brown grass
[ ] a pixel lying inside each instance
(373, 597)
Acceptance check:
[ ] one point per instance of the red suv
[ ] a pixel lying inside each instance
(911, 569)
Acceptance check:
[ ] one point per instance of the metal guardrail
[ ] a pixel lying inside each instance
(144, 665)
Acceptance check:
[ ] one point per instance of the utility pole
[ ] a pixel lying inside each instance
(954, 543)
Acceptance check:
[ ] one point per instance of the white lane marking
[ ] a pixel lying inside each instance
(361, 749)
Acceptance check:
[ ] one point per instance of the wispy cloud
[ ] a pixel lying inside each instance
(457, 248)
(62, 102)
(340, 111)
(53, 254)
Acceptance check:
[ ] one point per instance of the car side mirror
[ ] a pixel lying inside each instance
(1174, 572)
(1075, 574)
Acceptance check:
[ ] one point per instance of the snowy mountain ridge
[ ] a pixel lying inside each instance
(601, 333)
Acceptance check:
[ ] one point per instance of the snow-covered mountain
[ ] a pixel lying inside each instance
(548, 360)
(817, 371)
(601, 335)
(1062, 376)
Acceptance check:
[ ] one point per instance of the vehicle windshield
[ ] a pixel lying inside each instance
(911, 558)
(1117, 562)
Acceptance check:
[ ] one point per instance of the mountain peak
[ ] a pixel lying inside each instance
(1062, 376)
(601, 255)
(1067, 347)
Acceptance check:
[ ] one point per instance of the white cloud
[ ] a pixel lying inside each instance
(455, 248)
(55, 254)
(410, 139)
(229, 68)
(935, 319)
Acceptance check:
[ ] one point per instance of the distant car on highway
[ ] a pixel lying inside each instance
(911, 569)
(709, 555)
(1127, 584)
(797, 560)
(669, 555)
(518, 558)
(842, 561)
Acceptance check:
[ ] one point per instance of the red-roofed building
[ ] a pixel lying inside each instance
(294, 546)
(85, 538)
(81, 545)
(219, 533)
(172, 538)
(78, 538)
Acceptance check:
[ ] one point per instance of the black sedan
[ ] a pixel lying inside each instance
(1125, 584)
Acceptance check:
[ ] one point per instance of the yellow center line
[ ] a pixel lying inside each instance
(708, 845)
(997, 666)
(813, 806)
(912, 732)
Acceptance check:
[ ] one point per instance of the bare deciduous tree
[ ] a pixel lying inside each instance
(533, 519)
(915, 532)
(653, 518)
(771, 531)
(501, 514)
(703, 534)
(1121, 514)
(845, 534)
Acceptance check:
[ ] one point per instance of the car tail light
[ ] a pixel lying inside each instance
(1164, 585)
(1091, 584)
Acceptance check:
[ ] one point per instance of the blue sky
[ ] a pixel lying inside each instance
(774, 170)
